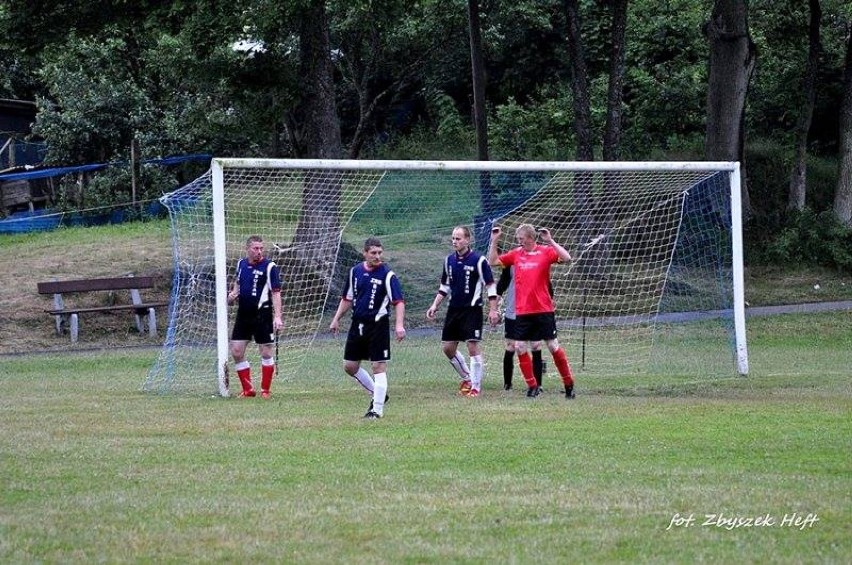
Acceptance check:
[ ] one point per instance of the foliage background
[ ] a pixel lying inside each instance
(224, 78)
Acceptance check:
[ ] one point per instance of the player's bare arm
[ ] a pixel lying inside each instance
(547, 237)
(433, 309)
(277, 321)
(493, 257)
(342, 308)
(399, 330)
(493, 313)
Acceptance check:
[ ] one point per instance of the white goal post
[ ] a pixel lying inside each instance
(653, 244)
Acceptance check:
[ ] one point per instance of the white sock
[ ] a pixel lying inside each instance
(363, 377)
(476, 371)
(460, 366)
(381, 389)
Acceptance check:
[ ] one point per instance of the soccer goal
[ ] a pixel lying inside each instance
(655, 283)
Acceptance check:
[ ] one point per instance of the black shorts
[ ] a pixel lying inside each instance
(463, 324)
(368, 340)
(253, 324)
(510, 328)
(535, 327)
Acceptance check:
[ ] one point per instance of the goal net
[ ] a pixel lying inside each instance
(655, 283)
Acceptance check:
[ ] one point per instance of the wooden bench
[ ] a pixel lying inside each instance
(69, 315)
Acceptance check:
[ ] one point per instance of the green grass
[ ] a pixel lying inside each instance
(93, 470)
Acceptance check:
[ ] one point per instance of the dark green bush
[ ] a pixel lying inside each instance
(813, 239)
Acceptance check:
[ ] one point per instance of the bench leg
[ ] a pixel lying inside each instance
(139, 326)
(75, 327)
(152, 322)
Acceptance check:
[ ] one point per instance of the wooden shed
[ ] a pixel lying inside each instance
(23, 194)
(18, 156)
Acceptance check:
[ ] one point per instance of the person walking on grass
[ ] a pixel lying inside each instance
(536, 316)
(464, 277)
(506, 289)
(371, 288)
(257, 292)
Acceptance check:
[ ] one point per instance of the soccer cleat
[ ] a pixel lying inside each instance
(265, 394)
(569, 391)
(507, 386)
(372, 415)
(472, 393)
(248, 394)
(464, 387)
(533, 391)
(370, 409)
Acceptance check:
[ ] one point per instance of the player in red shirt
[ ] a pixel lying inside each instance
(536, 317)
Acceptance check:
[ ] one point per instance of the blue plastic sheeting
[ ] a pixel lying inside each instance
(24, 222)
(47, 219)
(56, 171)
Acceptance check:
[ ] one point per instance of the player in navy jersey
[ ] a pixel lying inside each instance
(371, 289)
(257, 292)
(466, 274)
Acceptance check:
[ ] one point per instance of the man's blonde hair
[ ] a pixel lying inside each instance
(527, 229)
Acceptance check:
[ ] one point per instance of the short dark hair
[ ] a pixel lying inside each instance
(253, 239)
(372, 242)
(465, 230)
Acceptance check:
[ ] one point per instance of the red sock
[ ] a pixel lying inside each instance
(266, 373)
(561, 361)
(245, 379)
(525, 362)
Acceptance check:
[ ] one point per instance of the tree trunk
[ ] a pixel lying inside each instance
(579, 84)
(798, 176)
(319, 125)
(843, 195)
(480, 117)
(480, 114)
(317, 233)
(732, 59)
(615, 94)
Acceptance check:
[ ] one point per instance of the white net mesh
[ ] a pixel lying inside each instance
(651, 269)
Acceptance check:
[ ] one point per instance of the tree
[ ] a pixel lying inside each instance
(798, 176)
(843, 194)
(383, 50)
(480, 113)
(477, 63)
(579, 84)
(318, 137)
(615, 92)
(732, 60)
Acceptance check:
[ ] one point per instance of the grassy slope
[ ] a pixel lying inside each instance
(145, 248)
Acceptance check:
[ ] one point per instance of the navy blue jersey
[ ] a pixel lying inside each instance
(371, 291)
(256, 283)
(464, 277)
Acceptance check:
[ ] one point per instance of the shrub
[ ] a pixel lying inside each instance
(813, 239)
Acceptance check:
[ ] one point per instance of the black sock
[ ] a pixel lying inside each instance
(508, 367)
(538, 365)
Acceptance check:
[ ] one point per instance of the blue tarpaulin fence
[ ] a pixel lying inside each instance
(46, 219)
(58, 171)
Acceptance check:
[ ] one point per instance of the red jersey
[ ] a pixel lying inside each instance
(532, 278)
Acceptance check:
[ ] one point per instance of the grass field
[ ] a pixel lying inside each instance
(93, 470)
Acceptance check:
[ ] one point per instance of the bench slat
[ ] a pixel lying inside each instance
(86, 285)
(143, 306)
